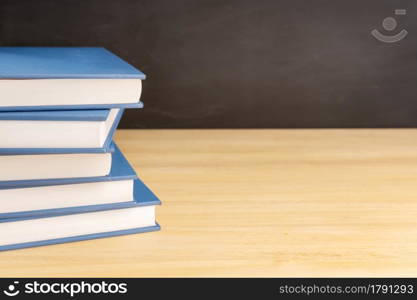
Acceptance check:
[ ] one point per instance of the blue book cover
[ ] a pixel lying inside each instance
(63, 63)
(71, 107)
(120, 170)
(142, 196)
(20, 64)
(80, 238)
(86, 115)
(75, 115)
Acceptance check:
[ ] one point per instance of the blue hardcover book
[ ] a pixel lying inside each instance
(113, 165)
(74, 198)
(68, 226)
(97, 217)
(87, 115)
(27, 166)
(50, 78)
(58, 132)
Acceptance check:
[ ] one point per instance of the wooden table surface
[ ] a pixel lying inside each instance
(258, 203)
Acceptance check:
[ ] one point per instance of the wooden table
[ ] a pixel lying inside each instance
(258, 203)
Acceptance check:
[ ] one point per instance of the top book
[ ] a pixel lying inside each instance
(40, 78)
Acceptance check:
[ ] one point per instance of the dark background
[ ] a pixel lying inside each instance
(241, 63)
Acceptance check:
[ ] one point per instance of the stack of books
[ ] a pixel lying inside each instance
(62, 178)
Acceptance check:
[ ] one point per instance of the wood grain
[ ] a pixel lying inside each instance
(258, 203)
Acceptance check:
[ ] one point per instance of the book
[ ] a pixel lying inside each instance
(74, 198)
(39, 231)
(37, 167)
(120, 169)
(120, 191)
(60, 129)
(43, 78)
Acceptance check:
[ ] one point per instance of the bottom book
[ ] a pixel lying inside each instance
(40, 231)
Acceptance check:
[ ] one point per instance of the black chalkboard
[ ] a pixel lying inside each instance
(243, 63)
